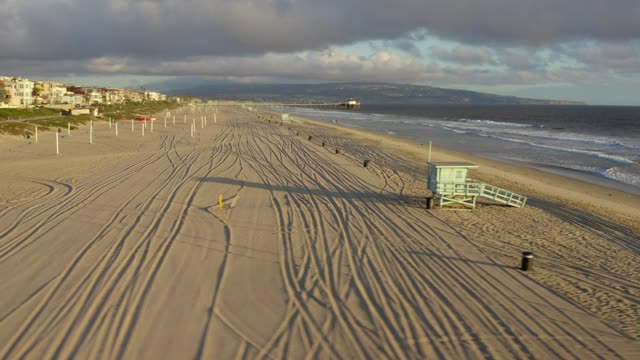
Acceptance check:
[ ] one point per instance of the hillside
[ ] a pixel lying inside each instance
(378, 93)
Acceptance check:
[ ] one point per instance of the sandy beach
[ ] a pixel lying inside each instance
(121, 249)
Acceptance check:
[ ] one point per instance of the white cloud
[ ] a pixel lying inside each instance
(465, 55)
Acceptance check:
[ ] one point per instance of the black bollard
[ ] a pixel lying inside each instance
(310, 138)
(297, 133)
(429, 202)
(527, 261)
(337, 151)
(366, 162)
(323, 143)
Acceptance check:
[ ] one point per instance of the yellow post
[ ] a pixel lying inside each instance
(220, 201)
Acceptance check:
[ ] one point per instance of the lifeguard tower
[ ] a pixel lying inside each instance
(449, 184)
(285, 118)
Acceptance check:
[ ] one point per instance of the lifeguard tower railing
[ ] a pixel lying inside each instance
(502, 196)
(467, 192)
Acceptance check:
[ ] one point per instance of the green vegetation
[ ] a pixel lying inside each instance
(6, 114)
(20, 129)
(26, 128)
(130, 109)
(61, 122)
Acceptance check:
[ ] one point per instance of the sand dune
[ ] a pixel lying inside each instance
(120, 250)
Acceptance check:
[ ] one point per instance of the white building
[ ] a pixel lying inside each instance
(73, 99)
(94, 96)
(152, 95)
(57, 93)
(23, 92)
(113, 96)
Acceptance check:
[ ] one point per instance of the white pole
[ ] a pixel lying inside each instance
(205, 121)
(116, 128)
(109, 123)
(91, 133)
(143, 126)
(57, 146)
(185, 118)
(36, 134)
(215, 119)
(429, 151)
(68, 129)
(174, 119)
(165, 122)
(202, 122)
(151, 125)
(131, 125)
(192, 130)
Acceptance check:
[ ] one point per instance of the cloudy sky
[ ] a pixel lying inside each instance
(585, 50)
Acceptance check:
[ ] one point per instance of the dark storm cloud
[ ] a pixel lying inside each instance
(176, 28)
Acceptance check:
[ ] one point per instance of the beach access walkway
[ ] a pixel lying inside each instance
(124, 249)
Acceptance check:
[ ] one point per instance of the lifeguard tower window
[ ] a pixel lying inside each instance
(460, 174)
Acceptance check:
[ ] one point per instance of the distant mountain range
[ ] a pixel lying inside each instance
(372, 93)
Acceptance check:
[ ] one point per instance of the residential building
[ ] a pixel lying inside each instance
(73, 99)
(22, 94)
(42, 92)
(93, 96)
(117, 96)
(7, 92)
(57, 93)
(133, 96)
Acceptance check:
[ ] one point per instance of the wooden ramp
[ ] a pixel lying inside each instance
(502, 196)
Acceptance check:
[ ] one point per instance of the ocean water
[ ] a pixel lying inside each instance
(599, 144)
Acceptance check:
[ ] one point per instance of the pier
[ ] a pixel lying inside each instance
(349, 104)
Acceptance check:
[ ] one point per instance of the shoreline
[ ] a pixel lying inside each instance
(614, 204)
(581, 175)
(594, 173)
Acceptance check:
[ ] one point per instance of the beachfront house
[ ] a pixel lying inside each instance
(57, 93)
(23, 92)
(92, 95)
(7, 92)
(72, 98)
(113, 96)
(151, 96)
(133, 96)
(43, 92)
